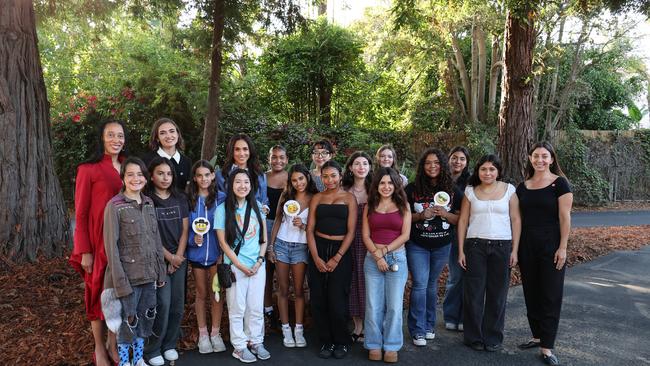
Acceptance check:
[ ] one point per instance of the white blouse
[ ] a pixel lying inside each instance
(489, 219)
(290, 233)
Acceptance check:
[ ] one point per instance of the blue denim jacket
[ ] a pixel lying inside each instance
(260, 195)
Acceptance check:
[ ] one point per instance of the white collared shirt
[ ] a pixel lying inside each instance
(176, 156)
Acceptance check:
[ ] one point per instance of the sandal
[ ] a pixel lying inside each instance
(357, 338)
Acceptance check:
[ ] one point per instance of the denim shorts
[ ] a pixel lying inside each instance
(290, 253)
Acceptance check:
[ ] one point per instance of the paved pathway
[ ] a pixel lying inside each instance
(605, 321)
(610, 218)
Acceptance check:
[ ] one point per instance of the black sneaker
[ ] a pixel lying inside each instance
(550, 359)
(272, 323)
(326, 351)
(340, 351)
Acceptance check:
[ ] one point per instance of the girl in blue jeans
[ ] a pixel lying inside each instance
(386, 222)
(431, 233)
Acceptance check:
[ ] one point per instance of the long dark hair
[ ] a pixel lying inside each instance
(193, 189)
(154, 143)
(474, 180)
(555, 167)
(231, 209)
(289, 192)
(399, 196)
(252, 164)
(348, 176)
(98, 152)
(132, 161)
(462, 179)
(155, 162)
(423, 184)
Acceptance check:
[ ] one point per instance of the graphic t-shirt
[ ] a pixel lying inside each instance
(250, 248)
(170, 213)
(434, 233)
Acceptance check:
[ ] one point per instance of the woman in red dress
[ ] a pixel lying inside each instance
(98, 180)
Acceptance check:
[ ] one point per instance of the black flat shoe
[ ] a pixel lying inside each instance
(528, 345)
(357, 338)
(493, 348)
(476, 346)
(550, 359)
(326, 351)
(340, 351)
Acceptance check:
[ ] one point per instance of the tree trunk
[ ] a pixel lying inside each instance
(495, 69)
(33, 216)
(482, 70)
(548, 127)
(473, 108)
(211, 127)
(452, 89)
(322, 8)
(462, 71)
(325, 104)
(516, 129)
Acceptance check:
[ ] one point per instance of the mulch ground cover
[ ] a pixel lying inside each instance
(43, 320)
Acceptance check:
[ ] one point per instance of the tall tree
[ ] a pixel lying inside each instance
(516, 124)
(210, 129)
(33, 216)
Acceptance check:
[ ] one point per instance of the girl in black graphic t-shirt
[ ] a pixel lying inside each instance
(545, 201)
(427, 251)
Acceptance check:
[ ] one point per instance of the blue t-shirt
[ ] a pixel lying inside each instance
(250, 249)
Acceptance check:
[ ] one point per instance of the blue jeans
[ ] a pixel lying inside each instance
(452, 307)
(425, 266)
(384, 303)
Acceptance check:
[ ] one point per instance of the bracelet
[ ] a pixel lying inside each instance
(339, 253)
(337, 262)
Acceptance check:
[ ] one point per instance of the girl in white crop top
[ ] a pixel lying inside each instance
(489, 227)
(289, 250)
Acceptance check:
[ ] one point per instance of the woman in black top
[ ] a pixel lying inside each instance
(330, 230)
(545, 201)
(166, 141)
(427, 251)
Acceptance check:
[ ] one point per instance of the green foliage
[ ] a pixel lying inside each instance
(304, 68)
(588, 185)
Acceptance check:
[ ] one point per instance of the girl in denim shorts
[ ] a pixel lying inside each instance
(289, 250)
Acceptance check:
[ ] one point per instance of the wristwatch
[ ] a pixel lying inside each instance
(262, 258)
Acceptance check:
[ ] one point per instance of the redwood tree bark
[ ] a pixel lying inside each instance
(33, 216)
(516, 125)
(211, 127)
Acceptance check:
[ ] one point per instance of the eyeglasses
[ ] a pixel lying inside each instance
(320, 154)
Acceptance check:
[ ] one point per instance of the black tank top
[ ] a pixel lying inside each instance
(274, 196)
(332, 219)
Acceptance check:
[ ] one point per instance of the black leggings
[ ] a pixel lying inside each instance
(329, 293)
(543, 284)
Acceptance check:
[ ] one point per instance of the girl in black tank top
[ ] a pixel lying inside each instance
(330, 231)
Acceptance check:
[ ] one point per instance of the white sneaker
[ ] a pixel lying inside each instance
(300, 338)
(288, 340)
(261, 352)
(460, 327)
(157, 361)
(430, 335)
(244, 355)
(204, 344)
(140, 363)
(217, 343)
(419, 341)
(170, 355)
(451, 326)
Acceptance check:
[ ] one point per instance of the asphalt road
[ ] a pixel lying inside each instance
(610, 218)
(605, 321)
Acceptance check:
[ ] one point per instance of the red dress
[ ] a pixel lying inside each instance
(96, 184)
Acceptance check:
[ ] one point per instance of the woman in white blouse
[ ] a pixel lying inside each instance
(489, 227)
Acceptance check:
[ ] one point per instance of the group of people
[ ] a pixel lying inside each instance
(353, 232)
